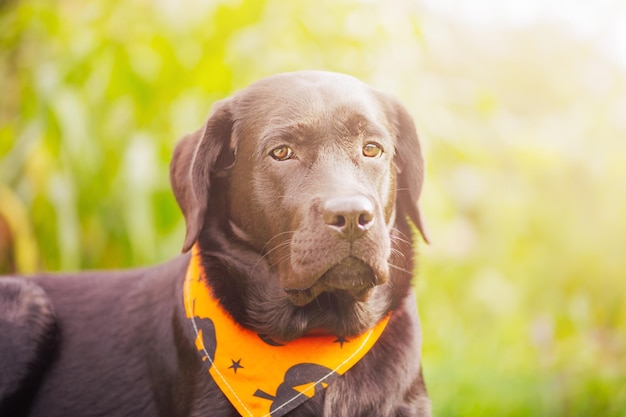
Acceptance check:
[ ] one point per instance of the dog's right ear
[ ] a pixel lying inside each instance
(409, 163)
(197, 158)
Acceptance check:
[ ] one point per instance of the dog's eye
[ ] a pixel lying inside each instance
(282, 153)
(372, 150)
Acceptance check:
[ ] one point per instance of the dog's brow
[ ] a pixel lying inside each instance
(288, 131)
(357, 124)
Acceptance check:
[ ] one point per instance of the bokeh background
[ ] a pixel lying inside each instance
(521, 107)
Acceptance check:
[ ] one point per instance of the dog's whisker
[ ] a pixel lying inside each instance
(401, 236)
(277, 247)
(398, 268)
(278, 261)
(265, 255)
(398, 235)
(398, 253)
(318, 302)
(276, 236)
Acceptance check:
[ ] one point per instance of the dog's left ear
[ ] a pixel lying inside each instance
(409, 163)
(198, 158)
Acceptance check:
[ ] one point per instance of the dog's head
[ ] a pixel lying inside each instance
(316, 173)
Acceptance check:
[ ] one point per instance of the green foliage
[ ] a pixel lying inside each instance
(521, 293)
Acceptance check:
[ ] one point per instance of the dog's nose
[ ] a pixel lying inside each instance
(351, 216)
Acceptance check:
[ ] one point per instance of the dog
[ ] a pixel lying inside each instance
(300, 196)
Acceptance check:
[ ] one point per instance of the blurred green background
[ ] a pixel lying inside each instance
(523, 123)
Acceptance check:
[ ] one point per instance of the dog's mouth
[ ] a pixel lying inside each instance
(351, 280)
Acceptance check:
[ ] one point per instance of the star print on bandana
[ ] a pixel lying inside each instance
(341, 340)
(236, 365)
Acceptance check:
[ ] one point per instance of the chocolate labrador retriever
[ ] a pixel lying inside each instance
(292, 297)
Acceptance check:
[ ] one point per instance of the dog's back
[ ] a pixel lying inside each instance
(89, 333)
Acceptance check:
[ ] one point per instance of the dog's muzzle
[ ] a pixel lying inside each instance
(352, 262)
(351, 277)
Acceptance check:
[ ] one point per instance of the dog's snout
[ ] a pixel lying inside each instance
(351, 216)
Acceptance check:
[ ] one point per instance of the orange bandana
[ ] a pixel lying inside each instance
(262, 377)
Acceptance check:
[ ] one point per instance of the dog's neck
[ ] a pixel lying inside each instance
(257, 374)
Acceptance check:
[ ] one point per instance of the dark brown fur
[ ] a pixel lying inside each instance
(321, 240)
